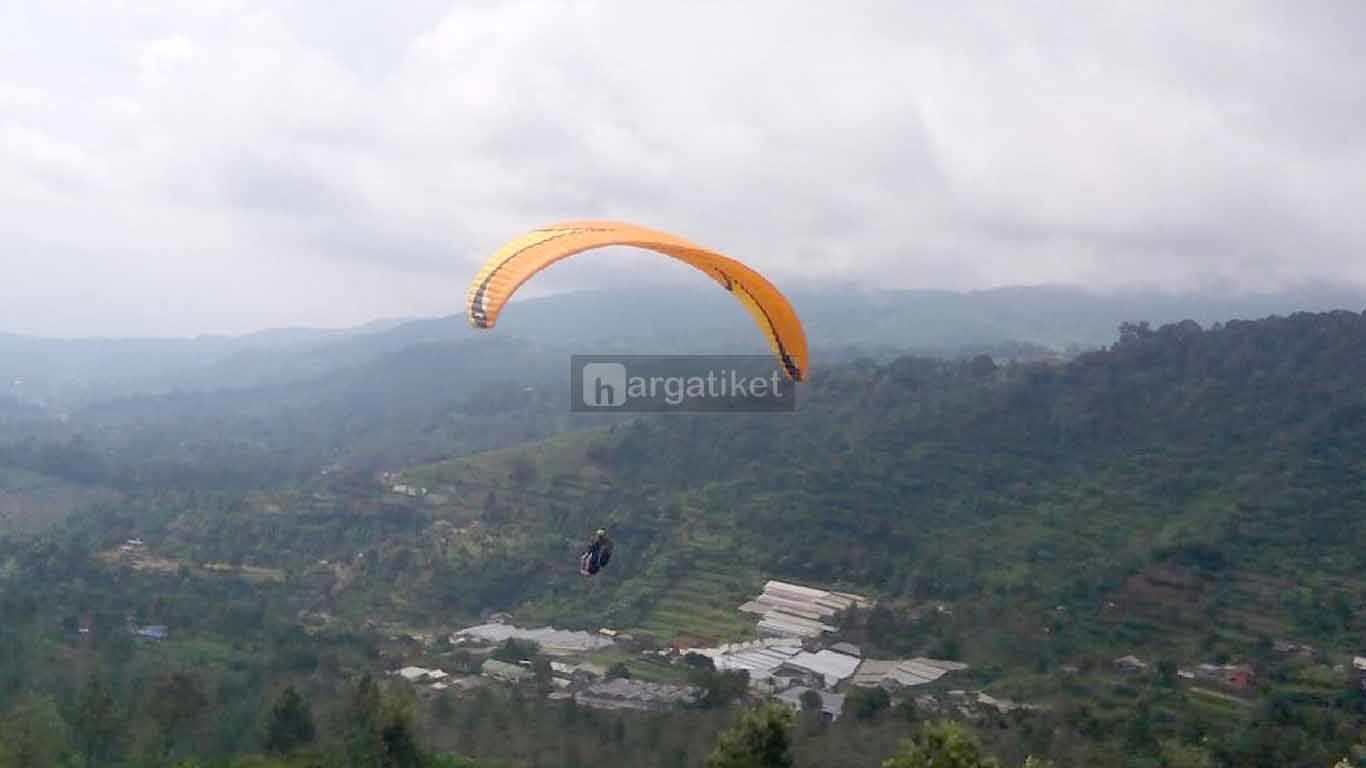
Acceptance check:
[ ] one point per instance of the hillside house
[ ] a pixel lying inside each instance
(1288, 647)
(1130, 664)
(1237, 677)
(421, 674)
(583, 672)
(1240, 677)
(152, 632)
(505, 672)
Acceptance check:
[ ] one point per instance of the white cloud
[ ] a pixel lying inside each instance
(261, 158)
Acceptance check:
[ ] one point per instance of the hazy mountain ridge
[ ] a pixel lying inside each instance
(67, 373)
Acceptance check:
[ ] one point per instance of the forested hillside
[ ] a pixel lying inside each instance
(1185, 495)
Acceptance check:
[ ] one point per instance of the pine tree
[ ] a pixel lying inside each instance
(291, 723)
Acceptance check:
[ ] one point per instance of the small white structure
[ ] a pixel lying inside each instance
(414, 674)
(421, 674)
(584, 669)
(1131, 664)
(1359, 663)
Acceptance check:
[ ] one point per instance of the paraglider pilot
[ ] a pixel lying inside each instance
(598, 553)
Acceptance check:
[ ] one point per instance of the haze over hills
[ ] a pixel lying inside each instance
(65, 374)
(1185, 496)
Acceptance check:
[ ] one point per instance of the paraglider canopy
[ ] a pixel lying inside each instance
(522, 258)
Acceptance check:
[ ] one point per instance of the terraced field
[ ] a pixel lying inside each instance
(702, 607)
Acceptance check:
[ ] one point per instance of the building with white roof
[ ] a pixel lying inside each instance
(501, 670)
(834, 668)
(553, 642)
(416, 674)
(903, 672)
(791, 610)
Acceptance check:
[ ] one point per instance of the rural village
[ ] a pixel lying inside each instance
(796, 660)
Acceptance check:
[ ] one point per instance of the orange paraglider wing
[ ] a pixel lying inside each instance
(519, 260)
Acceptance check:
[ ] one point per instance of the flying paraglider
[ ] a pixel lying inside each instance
(522, 258)
(598, 554)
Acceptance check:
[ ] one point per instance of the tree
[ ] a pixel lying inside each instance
(1166, 673)
(33, 734)
(442, 708)
(363, 745)
(760, 738)
(1178, 755)
(543, 672)
(291, 723)
(380, 730)
(811, 700)
(176, 702)
(719, 688)
(697, 661)
(96, 726)
(618, 670)
(398, 737)
(941, 745)
(514, 650)
(866, 703)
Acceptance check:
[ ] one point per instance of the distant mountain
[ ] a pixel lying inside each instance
(65, 373)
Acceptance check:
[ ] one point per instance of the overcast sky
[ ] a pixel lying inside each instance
(226, 165)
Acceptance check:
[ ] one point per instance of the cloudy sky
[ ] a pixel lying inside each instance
(225, 165)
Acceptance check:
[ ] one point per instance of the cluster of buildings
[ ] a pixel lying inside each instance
(1238, 678)
(584, 682)
(787, 661)
(787, 669)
